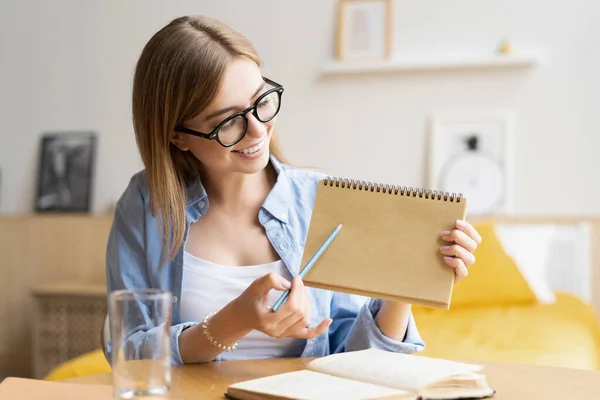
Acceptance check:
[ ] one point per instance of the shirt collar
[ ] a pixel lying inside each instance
(196, 200)
(276, 203)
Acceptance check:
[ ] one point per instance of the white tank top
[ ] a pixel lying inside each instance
(208, 287)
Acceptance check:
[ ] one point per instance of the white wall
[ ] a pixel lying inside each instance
(67, 65)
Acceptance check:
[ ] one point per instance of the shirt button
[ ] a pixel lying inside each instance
(202, 204)
(283, 216)
(174, 299)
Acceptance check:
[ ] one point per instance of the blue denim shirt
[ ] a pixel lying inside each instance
(134, 254)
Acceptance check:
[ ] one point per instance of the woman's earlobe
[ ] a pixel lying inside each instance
(177, 140)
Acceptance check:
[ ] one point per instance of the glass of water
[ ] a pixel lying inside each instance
(140, 343)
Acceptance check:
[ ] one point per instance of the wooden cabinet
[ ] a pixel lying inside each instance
(37, 250)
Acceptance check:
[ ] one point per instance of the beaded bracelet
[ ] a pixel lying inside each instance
(212, 339)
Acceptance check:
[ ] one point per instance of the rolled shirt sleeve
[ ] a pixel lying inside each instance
(354, 327)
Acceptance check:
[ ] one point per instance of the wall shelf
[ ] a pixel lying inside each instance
(430, 63)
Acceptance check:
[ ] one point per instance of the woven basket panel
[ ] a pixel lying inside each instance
(68, 327)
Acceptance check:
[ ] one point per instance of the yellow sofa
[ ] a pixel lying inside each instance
(495, 316)
(563, 334)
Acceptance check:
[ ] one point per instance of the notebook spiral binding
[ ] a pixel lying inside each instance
(392, 189)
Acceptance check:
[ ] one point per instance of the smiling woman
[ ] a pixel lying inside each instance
(226, 76)
(220, 219)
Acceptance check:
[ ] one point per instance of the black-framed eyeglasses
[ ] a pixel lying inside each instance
(233, 129)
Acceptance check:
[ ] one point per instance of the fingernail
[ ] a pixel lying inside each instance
(329, 322)
(460, 222)
(444, 248)
(286, 284)
(448, 258)
(445, 233)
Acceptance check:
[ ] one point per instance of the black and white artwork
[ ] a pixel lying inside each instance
(66, 172)
(471, 153)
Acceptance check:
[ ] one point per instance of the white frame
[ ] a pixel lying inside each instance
(505, 119)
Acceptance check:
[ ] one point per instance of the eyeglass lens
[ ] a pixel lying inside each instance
(234, 129)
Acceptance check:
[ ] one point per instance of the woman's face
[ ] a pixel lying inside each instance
(241, 85)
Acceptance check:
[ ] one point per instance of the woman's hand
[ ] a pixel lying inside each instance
(250, 311)
(458, 253)
(290, 320)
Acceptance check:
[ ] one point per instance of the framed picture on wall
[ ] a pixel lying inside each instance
(364, 29)
(66, 172)
(472, 153)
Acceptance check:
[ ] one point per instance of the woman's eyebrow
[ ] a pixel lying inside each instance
(229, 109)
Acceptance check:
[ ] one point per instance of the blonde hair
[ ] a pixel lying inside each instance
(176, 77)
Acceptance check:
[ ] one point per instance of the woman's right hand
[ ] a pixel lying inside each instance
(293, 317)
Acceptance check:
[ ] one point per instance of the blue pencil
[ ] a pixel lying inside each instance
(309, 264)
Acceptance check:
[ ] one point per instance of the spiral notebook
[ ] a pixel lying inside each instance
(389, 244)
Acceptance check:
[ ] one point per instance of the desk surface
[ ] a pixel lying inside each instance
(511, 381)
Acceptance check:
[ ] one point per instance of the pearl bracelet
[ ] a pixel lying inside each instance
(212, 339)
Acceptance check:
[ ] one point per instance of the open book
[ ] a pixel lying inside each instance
(370, 374)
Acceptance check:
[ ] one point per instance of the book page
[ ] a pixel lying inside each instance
(456, 393)
(312, 385)
(461, 386)
(394, 370)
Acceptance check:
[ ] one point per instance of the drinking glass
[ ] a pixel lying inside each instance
(140, 345)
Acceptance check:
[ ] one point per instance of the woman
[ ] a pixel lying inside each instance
(220, 220)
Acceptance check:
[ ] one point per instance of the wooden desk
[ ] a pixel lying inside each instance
(511, 381)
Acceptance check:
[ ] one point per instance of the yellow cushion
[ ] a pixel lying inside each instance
(87, 364)
(494, 278)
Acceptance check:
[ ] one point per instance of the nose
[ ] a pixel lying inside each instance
(255, 127)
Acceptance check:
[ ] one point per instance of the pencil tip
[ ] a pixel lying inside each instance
(339, 226)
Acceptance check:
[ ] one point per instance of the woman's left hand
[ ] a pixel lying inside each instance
(458, 253)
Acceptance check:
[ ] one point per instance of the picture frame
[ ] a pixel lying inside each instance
(472, 152)
(65, 172)
(364, 29)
